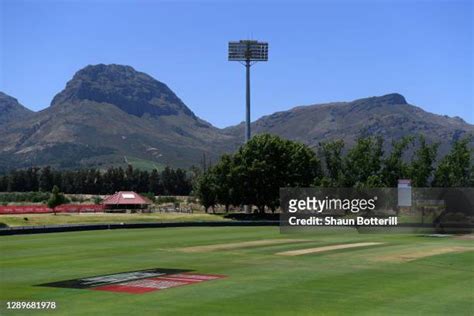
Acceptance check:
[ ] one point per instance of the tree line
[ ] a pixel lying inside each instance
(93, 181)
(254, 174)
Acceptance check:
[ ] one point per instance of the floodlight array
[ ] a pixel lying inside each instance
(248, 51)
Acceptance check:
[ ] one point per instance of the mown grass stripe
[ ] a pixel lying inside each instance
(306, 251)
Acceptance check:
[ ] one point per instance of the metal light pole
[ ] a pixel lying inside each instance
(247, 100)
(248, 52)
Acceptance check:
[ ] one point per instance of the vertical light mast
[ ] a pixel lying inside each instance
(248, 52)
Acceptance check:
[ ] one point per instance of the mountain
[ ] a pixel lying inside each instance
(388, 116)
(11, 109)
(133, 92)
(114, 115)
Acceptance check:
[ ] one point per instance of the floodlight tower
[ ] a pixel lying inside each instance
(248, 52)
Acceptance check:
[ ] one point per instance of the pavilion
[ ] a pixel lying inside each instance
(126, 200)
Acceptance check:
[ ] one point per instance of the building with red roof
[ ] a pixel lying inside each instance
(126, 200)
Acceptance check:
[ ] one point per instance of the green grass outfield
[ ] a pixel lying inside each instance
(108, 218)
(356, 281)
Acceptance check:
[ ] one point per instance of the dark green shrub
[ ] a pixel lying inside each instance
(97, 199)
(35, 197)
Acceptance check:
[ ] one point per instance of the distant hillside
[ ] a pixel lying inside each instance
(114, 115)
(111, 115)
(388, 116)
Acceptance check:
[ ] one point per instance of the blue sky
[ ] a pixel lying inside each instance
(320, 51)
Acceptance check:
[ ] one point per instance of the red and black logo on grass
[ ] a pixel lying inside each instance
(141, 281)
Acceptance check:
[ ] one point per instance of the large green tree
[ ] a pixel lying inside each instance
(422, 163)
(394, 165)
(363, 163)
(456, 168)
(331, 153)
(205, 190)
(256, 172)
(227, 193)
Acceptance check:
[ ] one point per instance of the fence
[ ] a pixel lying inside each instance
(43, 209)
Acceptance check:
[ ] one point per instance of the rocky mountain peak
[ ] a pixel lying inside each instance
(7, 102)
(388, 99)
(11, 109)
(132, 91)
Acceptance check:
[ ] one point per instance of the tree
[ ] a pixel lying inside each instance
(223, 177)
(93, 181)
(132, 178)
(119, 180)
(16, 181)
(46, 179)
(97, 200)
(456, 168)
(3, 183)
(394, 166)
(143, 181)
(364, 162)
(175, 182)
(260, 168)
(67, 181)
(56, 199)
(421, 167)
(79, 181)
(154, 183)
(31, 179)
(205, 190)
(182, 183)
(168, 180)
(333, 160)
